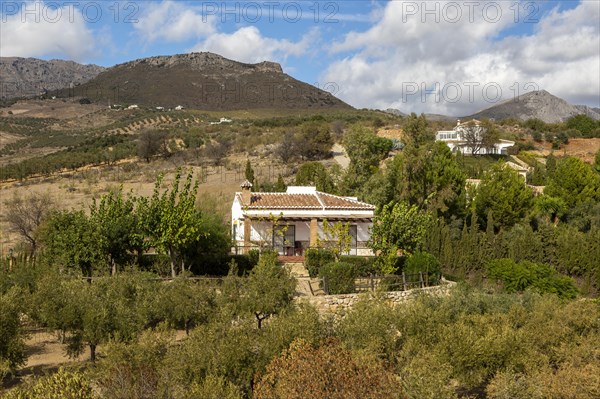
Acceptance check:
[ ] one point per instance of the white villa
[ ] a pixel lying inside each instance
(291, 222)
(455, 139)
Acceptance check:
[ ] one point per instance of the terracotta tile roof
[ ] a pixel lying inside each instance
(317, 200)
(334, 202)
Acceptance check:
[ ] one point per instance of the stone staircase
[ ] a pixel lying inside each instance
(306, 286)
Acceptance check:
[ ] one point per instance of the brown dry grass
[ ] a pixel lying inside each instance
(58, 109)
(581, 148)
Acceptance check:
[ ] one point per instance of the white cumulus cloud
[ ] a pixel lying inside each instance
(37, 30)
(409, 61)
(173, 22)
(247, 44)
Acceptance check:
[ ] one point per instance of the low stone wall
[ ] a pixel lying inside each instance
(342, 303)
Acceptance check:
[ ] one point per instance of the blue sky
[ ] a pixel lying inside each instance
(451, 57)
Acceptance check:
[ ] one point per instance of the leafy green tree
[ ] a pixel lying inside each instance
(582, 123)
(173, 222)
(186, 303)
(211, 250)
(503, 192)
(103, 310)
(417, 129)
(366, 150)
(536, 124)
(429, 177)
(315, 174)
(597, 161)
(71, 240)
(551, 208)
(574, 182)
(115, 220)
(231, 350)
(267, 290)
(12, 345)
(397, 227)
(315, 141)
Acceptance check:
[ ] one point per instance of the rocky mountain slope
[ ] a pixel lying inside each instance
(28, 77)
(202, 81)
(536, 104)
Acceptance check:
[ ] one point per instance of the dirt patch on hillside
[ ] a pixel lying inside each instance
(44, 351)
(57, 109)
(8, 138)
(581, 148)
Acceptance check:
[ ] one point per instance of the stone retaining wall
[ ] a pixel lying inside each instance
(342, 303)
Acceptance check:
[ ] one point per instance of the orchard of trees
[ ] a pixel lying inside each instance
(247, 338)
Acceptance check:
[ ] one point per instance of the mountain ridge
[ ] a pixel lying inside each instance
(202, 81)
(30, 77)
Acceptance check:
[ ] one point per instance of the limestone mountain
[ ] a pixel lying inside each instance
(28, 77)
(536, 104)
(202, 81)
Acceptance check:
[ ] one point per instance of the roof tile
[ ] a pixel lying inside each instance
(303, 201)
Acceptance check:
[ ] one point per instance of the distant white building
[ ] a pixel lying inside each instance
(222, 120)
(179, 108)
(292, 222)
(133, 106)
(456, 139)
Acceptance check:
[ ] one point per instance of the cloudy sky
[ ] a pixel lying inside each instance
(450, 57)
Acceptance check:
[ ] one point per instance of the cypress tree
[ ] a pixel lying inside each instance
(249, 172)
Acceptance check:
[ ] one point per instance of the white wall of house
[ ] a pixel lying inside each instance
(262, 227)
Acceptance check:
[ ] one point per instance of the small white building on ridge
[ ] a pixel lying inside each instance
(292, 222)
(455, 139)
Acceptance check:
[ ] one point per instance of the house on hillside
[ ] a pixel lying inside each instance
(292, 222)
(464, 135)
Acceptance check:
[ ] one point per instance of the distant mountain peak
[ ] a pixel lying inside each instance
(538, 104)
(199, 61)
(202, 81)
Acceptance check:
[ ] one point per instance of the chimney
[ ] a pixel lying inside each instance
(246, 192)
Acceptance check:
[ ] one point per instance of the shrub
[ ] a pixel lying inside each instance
(364, 266)
(12, 345)
(423, 262)
(328, 371)
(340, 277)
(536, 136)
(526, 146)
(517, 277)
(316, 258)
(62, 384)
